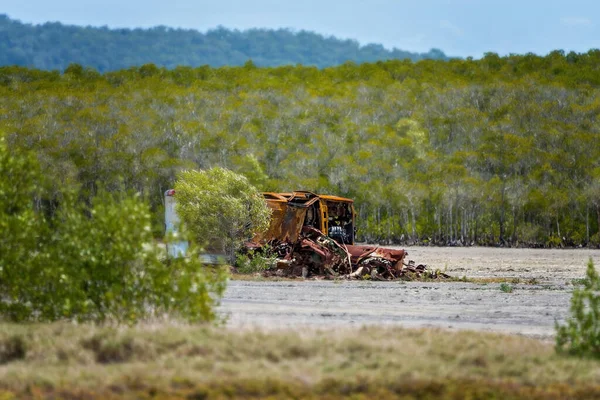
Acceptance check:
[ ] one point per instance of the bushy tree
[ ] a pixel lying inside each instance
(93, 261)
(20, 227)
(220, 208)
(108, 266)
(581, 334)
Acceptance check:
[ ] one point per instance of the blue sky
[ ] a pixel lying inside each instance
(458, 27)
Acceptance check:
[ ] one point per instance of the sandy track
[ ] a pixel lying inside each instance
(530, 309)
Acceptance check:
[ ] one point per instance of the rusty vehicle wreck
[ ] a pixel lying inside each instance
(313, 235)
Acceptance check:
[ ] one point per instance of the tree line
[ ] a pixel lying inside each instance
(53, 46)
(497, 151)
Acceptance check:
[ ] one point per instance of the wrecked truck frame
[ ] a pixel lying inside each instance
(314, 236)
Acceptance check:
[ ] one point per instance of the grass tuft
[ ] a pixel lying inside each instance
(12, 348)
(506, 288)
(113, 349)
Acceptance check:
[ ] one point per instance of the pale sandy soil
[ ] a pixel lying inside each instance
(531, 309)
(543, 264)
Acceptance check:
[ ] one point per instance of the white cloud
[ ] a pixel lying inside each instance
(449, 26)
(576, 21)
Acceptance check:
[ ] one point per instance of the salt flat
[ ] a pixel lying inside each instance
(530, 309)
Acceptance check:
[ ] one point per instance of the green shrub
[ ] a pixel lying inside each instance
(595, 240)
(110, 266)
(255, 261)
(581, 334)
(553, 241)
(94, 261)
(578, 281)
(506, 288)
(220, 208)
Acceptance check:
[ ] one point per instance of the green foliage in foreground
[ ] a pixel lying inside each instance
(581, 334)
(220, 208)
(89, 261)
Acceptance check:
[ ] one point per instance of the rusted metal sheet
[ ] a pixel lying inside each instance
(286, 223)
(287, 218)
(360, 253)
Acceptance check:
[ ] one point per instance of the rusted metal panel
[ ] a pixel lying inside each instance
(286, 221)
(360, 253)
(289, 215)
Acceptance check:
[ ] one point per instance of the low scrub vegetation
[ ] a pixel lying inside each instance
(169, 360)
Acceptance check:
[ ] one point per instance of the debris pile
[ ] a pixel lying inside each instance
(315, 255)
(313, 236)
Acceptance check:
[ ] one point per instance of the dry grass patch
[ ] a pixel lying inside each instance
(179, 361)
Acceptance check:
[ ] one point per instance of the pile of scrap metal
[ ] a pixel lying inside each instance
(313, 236)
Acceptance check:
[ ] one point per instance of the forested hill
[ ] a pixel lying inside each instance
(54, 46)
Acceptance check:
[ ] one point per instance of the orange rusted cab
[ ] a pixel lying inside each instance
(332, 215)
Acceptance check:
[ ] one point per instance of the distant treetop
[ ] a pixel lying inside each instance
(54, 46)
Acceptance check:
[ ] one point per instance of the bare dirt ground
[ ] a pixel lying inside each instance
(530, 309)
